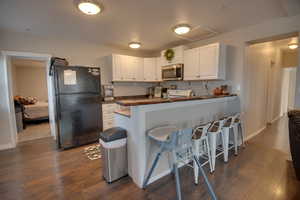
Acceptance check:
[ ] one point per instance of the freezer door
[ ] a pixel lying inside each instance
(79, 119)
(76, 79)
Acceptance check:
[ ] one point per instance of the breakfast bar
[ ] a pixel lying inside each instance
(142, 115)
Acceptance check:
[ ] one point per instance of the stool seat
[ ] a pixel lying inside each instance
(162, 134)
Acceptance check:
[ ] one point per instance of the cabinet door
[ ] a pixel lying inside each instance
(158, 69)
(138, 68)
(150, 69)
(209, 61)
(117, 67)
(191, 64)
(127, 68)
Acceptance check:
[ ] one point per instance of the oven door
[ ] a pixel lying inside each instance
(172, 72)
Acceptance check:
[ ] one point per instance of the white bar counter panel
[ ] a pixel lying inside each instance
(141, 150)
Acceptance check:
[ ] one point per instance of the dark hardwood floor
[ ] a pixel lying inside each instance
(35, 170)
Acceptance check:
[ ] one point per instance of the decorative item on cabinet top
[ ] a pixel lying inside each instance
(172, 56)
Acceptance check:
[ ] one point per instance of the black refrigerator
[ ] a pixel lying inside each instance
(78, 105)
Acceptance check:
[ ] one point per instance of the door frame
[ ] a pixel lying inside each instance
(7, 55)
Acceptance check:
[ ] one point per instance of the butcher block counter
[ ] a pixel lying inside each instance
(146, 101)
(142, 115)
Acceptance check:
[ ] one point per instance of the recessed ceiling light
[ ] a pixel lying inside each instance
(182, 29)
(134, 45)
(89, 7)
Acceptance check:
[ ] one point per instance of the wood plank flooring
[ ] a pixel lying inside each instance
(36, 170)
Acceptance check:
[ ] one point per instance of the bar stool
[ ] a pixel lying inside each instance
(238, 123)
(227, 126)
(213, 133)
(179, 143)
(201, 147)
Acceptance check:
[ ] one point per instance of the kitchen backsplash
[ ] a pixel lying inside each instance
(198, 87)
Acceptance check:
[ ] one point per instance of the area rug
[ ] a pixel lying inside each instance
(93, 152)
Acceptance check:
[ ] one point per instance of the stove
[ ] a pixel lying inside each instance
(179, 93)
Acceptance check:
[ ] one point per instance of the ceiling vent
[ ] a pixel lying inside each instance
(198, 33)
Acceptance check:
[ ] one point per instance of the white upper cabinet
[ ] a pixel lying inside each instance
(191, 64)
(205, 63)
(178, 56)
(117, 67)
(130, 68)
(150, 69)
(158, 68)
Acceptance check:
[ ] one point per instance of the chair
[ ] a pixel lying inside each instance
(179, 143)
(201, 147)
(213, 133)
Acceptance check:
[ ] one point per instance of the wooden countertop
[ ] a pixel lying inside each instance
(124, 112)
(137, 102)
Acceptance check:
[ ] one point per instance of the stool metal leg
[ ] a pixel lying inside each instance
(242, 133)
(178, 189)
(235, 136)
(210, 189)
(175, 168)
(225, 143)
(208, 154)
(197, 153)
(152, 168)
(213, 149)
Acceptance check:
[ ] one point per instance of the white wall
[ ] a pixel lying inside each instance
(292, 88)
(290, 58)
(6, 133)
(30, 81)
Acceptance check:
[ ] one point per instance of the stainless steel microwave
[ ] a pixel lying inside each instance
(172, 72)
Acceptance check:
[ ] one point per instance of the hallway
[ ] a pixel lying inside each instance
(275, 136)
(36, 170)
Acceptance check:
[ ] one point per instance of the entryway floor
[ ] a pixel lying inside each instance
(35, 131)
(36, 170)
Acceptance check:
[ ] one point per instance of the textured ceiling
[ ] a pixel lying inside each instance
(147, 21)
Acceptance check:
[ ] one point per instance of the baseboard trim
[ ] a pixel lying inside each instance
(275, 119)
(255, 133)
(6, 146)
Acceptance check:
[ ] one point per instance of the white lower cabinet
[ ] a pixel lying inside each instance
(108, 115)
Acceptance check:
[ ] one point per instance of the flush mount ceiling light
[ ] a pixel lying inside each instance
(293, 44)
(134, 45)
(182, 29)
(89, 7)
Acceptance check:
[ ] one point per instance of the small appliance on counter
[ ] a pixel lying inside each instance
(108, 92)
(222, 90)
(179, 93)
(150, 92)
(158, 91)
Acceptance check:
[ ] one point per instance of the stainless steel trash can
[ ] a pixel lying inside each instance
(113, 143)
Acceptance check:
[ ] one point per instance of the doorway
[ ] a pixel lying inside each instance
(30, 95)
(42, 61)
